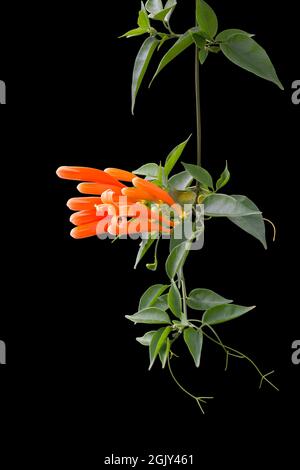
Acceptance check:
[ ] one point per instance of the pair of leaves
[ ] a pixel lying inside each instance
(153, 298)
(203, 176)
(160, 12)
(158, 343)
(217, 309)
(143, 25)
(151, 170)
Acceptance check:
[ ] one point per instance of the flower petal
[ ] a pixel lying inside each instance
(86, 217)
(122, 175)
(138, 194)
(83, 203)
(85, 231)
(80, 173)
(156, 192)
(97, 188)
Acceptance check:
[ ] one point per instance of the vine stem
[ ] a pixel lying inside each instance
(198, 106)
(199, 400)
(184, 297)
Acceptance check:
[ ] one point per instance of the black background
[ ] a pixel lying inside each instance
(73, 362)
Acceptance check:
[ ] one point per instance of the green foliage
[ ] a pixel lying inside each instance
(150, 316)
(253, 224)
(243, 51)
(222, 205)
(203, 299)
(182, 43)
(194, 341)
(224, 313)
(224, 178)
(174, 156)
(174, 300)
(140, 66)
(151, 295)
(150, 169)
(200, 174)
(157, 341)
(206, 18)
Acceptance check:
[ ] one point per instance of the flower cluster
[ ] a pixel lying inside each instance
(115, 208)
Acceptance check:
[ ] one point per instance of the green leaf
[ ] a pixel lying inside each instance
(174, 242)
(146, 339)
(200, 174)
(223, 313)
(174, 300)
(206, 18)
(221, 205)
(154, 6)
(174, 156)
(228, 33)
(157, 342)
(176, 259)
(153, 266)
(145, 245)
(252, 224)
(161, 16)
(199, 40)
(151, 295)
(194, 341)
(203, 56)
(180, 45)
(150, 316)
(143, 20)
(140, 66)
(246, 53)
(172, 4)
(224, 178)
(150, 169)
(162, 302)
(180, 181)
(134, 32)
(202, 299)
(164, 352)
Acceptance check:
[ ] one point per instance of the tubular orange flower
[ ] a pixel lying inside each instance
(85, 217)
(79, 173)
(97, 188)
(85, 231)
(156, 192)
(83, 203)
(122, 175)
(138, 194)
